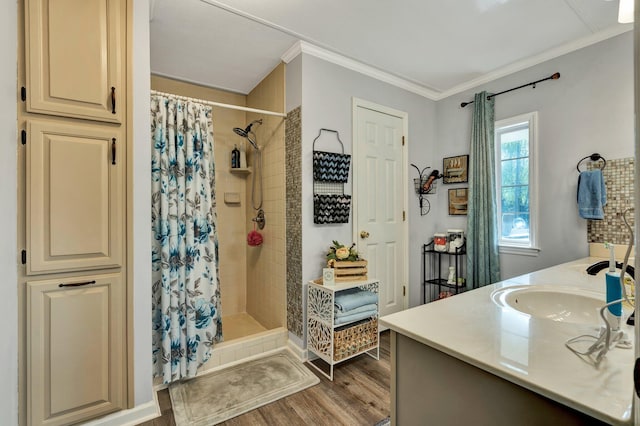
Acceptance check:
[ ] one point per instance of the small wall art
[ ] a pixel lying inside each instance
(455, 169)
(458, 199)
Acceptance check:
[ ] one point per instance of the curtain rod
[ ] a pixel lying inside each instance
(555, 76)
(218, 104)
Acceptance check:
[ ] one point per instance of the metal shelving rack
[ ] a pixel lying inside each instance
(432, 271)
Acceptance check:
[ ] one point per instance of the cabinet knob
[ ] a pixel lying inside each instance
(364, 234)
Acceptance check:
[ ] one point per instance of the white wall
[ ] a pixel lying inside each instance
(327, 92)
(8, 213)
(143, 380)
(293, 84)
(589, 109)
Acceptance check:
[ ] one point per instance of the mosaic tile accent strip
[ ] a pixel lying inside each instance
(619, 181)
(293, 159)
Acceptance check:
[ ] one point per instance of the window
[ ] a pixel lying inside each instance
(516, 182)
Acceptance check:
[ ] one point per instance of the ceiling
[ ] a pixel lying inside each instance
(433, 47)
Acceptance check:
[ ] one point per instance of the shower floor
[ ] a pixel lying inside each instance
(240, 325)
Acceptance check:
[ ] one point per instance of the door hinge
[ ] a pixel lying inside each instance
(23, 93)
(23, 257)
(23, 137)
(404, 290)
(403, 141)
(404, 215)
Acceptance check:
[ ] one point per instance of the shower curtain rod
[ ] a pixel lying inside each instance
(555, 76)
(219, 104)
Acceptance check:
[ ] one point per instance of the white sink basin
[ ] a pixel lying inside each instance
(552, 302)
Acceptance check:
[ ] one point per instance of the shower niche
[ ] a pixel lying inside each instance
(241, 171)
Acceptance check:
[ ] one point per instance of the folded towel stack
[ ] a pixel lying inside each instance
(353, 305)
(592, 195)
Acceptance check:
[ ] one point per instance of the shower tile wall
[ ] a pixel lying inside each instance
(293, 144)
(619, 181)
(266, 292)
(231, 218)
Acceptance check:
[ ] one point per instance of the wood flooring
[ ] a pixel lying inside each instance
(358, 395)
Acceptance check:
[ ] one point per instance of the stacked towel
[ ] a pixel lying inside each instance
(354, 298)
(353, 305)
(592, 195)
(356, 314)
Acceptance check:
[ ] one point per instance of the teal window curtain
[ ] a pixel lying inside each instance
(186, 291)
(483, 262)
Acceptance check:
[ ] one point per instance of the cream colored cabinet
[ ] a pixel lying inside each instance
(75, 196)
(76, 354)
(74, 362)
(75, 61)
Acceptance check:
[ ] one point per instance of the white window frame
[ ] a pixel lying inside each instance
(529, 248)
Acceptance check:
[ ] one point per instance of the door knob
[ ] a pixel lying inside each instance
(364, 234)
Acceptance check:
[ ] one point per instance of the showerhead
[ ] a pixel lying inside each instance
(241, 132)
(246, 133)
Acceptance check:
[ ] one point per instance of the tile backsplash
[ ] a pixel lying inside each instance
(619, 181)
(293, 158)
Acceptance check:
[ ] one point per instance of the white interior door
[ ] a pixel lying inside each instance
(380, 199)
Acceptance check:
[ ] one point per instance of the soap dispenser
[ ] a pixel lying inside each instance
(614, 291)
(242, 160)
(451, 279)
(235, 157)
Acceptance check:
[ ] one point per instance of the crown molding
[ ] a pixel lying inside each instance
(291, 53)
(537, 59)
(329, 56)
(310, 47)
(352, 64)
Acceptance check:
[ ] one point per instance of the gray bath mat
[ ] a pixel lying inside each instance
(221, 395)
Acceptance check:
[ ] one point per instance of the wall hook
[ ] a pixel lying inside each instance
(425, 184)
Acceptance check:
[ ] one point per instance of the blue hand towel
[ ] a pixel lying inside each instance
(354, 298)
(592, 195)
(355, 317)
(365, 308)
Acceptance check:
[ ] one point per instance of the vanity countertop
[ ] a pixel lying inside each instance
(525, 350)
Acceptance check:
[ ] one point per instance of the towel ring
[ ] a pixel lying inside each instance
(593, 157)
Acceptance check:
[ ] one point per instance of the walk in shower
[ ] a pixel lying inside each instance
(254, 315)
(252, 278)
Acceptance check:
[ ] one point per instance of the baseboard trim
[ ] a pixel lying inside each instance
(297, 350)
(136, 415)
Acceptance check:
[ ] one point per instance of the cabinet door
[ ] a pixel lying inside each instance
(75, 55)
(75, 351)
(75, 196)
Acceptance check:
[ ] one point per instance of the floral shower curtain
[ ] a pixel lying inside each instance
(483, 262)
(186, 291)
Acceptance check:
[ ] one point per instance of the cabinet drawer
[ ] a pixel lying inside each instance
(75, 196)
(75, 58)
(75, 348)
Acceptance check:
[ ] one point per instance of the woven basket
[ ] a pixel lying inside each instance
(355, 338)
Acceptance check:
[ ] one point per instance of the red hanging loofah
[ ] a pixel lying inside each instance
(254, 238)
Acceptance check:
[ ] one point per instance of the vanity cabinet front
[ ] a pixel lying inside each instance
(75, 62)
(75, 328)
(75, 196)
